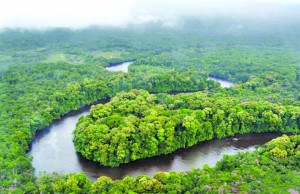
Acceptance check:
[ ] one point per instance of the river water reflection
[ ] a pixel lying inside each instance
(223, 83)
(119, 67)
(53, 150)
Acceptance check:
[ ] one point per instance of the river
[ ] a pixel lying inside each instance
(223, 83)
(52, 150)
(124, 68)
(119, 67)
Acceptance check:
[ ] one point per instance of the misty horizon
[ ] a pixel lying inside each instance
(76, 14)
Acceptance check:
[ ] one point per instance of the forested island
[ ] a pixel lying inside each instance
(163, 103)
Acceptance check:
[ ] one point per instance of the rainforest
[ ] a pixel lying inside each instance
(167, 100)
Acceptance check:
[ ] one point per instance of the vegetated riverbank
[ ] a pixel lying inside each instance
(136, 124)
(54, 144)
(123, 67)
(33, 92)
(276, 162)
(53, 151)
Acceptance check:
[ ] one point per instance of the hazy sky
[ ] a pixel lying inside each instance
(81, 13)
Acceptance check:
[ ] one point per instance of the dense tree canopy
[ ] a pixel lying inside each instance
(137, 124)
(274, 168)
(46, 74)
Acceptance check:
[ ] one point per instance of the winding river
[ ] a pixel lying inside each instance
(53, 150)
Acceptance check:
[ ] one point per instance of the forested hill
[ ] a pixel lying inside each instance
(45, 74)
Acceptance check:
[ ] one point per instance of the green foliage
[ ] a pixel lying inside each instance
(44, 75)
(140, 125)
(72, 183)
(33, 95)
(247, 172)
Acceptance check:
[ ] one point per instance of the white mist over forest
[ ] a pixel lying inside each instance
(79, 13)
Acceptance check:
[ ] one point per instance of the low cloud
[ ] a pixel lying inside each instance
(82, 13)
